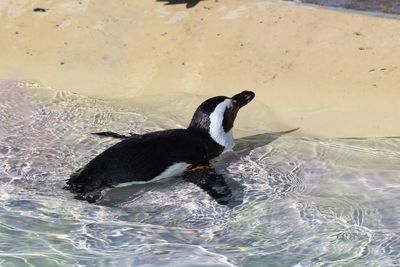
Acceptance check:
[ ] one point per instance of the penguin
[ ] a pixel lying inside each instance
(140, 159)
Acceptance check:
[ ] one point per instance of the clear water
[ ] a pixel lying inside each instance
(306, 202)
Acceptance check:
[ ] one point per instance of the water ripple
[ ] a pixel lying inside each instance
(306, 202)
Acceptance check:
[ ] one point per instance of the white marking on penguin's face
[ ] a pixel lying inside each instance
(174, 169)
(216, 117)
(217, 131)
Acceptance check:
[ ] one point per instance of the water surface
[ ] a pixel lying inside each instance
(306, 202)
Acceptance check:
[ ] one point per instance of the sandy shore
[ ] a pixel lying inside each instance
(330, 73)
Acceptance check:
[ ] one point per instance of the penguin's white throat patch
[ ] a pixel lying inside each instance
(217, 131)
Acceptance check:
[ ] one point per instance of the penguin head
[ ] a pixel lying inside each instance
(216, 117)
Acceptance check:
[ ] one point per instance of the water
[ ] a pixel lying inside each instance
(306, 202)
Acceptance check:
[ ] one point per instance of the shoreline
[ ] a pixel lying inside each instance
(328, 72)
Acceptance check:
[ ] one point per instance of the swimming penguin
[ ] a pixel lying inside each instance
(153, 156)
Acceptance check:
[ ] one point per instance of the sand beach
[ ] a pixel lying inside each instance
(330, 73)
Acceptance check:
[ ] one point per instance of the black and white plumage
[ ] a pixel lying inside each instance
(154, 156)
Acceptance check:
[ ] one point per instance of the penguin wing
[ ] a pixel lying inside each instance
(205, 177)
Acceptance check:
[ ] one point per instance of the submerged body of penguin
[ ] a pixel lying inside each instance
(154, 156)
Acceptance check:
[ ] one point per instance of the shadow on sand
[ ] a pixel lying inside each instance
(189, 3)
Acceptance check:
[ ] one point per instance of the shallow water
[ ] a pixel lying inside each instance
(306, 202)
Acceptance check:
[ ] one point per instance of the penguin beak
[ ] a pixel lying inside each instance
(243, 98)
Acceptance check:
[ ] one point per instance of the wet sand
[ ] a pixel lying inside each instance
(331, 73)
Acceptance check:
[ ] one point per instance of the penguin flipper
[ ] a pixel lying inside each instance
(115, 135)
(91, 197)
(210, 181)
(91, 191)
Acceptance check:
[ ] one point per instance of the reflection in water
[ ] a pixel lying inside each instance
(305, 202)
